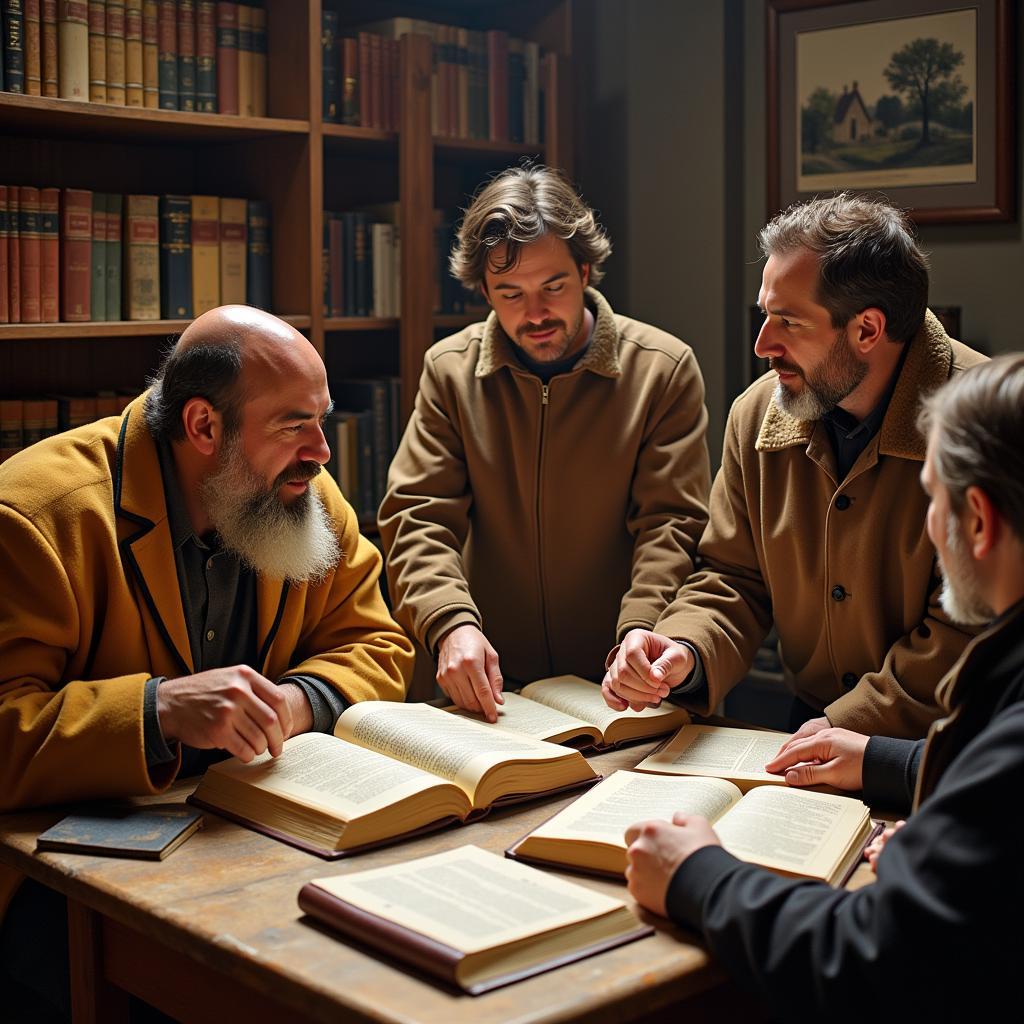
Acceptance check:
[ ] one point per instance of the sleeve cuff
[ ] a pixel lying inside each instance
(693, 880)
(444, 623)
(157, 751)
(325, 701)
(890, 772)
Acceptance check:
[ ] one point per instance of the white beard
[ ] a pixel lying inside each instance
(959, 596)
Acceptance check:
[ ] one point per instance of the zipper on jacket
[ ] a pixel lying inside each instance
(543, 399)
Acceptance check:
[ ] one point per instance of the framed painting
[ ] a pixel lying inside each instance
(910, 98)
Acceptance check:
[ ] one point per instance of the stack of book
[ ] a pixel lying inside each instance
(361, 263)
(77, 255)
(484, 85)
(193, 55)
(23, 421)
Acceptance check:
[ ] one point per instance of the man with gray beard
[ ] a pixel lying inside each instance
(815, 517)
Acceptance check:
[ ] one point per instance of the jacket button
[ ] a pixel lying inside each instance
(849, 680)
(842, 503)
(838, 593)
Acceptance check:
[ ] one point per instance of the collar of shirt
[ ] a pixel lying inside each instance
(849, 428)
(548, 370)
(178, 519)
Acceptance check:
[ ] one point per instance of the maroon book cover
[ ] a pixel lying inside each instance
(76, 255)
(227, 58)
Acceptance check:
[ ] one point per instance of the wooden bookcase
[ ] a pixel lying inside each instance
(299, 163)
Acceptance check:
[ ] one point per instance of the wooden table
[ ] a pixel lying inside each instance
(214, 933)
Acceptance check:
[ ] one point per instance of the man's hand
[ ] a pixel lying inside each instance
(808, 729)
(233, 708)
(833, 757)
(656, 849)
(874, 849)
(646, 667)
(468, 671)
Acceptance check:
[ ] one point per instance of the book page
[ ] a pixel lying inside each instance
(469, 899)
(604, 813)
(527, 717)
(791, 830)
(323, 771)
(453, 748)
(582, 699)
(718, 751)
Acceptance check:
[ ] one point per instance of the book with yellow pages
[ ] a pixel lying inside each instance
(470, 918)
(791, 831)
(571, 710)
(388, 771)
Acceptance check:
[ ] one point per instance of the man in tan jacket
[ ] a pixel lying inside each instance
(816, 512)
(551, 486)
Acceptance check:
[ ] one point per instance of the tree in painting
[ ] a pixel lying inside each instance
(924, 72)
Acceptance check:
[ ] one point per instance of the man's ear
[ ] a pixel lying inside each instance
(585, 274)
(982, 523)
(203, 425)
(485, 294)
(869, 329)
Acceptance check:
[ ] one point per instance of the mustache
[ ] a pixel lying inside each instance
(784, 367)
(301, 471)
(544, 325)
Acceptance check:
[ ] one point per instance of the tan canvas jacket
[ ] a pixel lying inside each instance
(554, 517)
(843, 568)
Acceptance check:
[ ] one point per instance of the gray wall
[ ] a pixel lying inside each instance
(670, 105)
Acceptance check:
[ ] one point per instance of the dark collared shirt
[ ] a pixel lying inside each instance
(546, 370)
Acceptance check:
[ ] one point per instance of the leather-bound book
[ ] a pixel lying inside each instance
(115, 53)
(257, 267)
(232, 250)
(14, 45)
(98, 274)
(142, 257)
(167, 54)
(5, 305)
(206, 56)
(76, 254)
(28, 231)
(51, 79)
(13, 254)
(49, 248)
(245, 106)
(259, 61)
(227, 57)
(133, 71)
(73, 49)
(176, 257)
(186, 55)
(98, 51)
(150, 55)
(33, 49)
(205, 253)
(113, 245)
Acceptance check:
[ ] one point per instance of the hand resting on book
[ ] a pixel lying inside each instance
(832, 757)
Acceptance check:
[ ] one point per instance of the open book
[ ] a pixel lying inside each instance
(471, 918)
(388, 770)
(571, 710)
(791, 831)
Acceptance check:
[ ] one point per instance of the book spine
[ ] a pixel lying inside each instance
(463, 83)
(5, 306)
(34, 420)
(14, 45)
(516, 81)
(150, 55)
(245, 107)
(259, 61)
(227, 57)
(13, 254)
(335, 247)
(376, 82)
(328, 68)
(76, 255)
(98, 51)
(232, 251)
(113, 247)
(349, 81)
(365, 84)
(364, 440)
(51, 83)
(348, 278)
(28, 231)
(175, 258)
(497, 85)
(73, 49)
(12, 415)
(48, 409)
(49, 227)
(33, 49)
(325, 266)
(205, 253)
(98, 276)
(378, 305)
(143, 257)
(361, 266)
(186, 55)
(133, 73)
(257, 270)
(167, 54)
(396, 85)
(531, 94)
(206, 57)
(115, 53)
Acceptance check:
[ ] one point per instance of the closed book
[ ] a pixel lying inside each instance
(227, 57)
(396, 84)
(28, 231)
(245, 107)
(33, 49)
(257, 266)
(516, 81)
(73, 49)
(373, 395)
(328, 67)
(349, 80)
(98, 276)
(107, 404)
(206, 56)
(5, 302)
(362, 267)
(142, 257)
(186, 55)
(335, 248)
(98, 51)
(33, 424)
(380, 250)
(75, 410)
(259, 61)
(14, 45)
(176, 257)
(325, 268)
(113, 304)
(142, 833)
(11, 419)
(115, 53)
(49, 248)
(376, 83)
(51, 79)
(49, 417)
(150, 55)
(133, 71)
(13, 254)
(232, 251)
(365, 78)
(167, 54)
(205, 253)
(348, 263)
(531, 94)
(497, 85)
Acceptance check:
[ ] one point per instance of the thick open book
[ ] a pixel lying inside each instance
(471, 918)
(791, 831)
(389, 770)
(571, 710)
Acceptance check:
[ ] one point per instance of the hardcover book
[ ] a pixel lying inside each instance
(150, 55)
(167, 54)
(232, 251)
(186, 55)
(73, 49)
(14, 45)
(113, 261)
(33, 49)
(257, 264)
(206, 57)
(5, 308)
(143, 833)
(51, 83)
(98, 278)
(205, 253)
(49, 230)
(98, 51)
(14, 253)
(115, 53)
(245, 106)
(30, 256)
(258, 37)
(133, 72)
(175, 257)
(76, 255)
(142, 231)
(227, 57)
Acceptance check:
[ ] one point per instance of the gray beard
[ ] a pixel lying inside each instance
(828, 384)
(959, 597)
(296, 542)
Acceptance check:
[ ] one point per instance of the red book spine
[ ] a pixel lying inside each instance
(33, 41)
(30, 255)
(13, 255)
(50, 82)
(365, 79)
(49, 276)
(5, 306)
(76, 255)
(497, 85)
(227, 58)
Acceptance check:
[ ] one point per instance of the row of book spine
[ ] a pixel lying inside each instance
(361, 265)
(77, 255)
(23, 421)
(484, 85)
(192, 55)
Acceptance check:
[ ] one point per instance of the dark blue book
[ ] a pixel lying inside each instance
(176, 257)
(329, 64)
(257, 264)
(167, 54)
(14, 45)
(143, 833)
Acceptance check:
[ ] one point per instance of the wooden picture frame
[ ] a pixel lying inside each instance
(960, 170)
